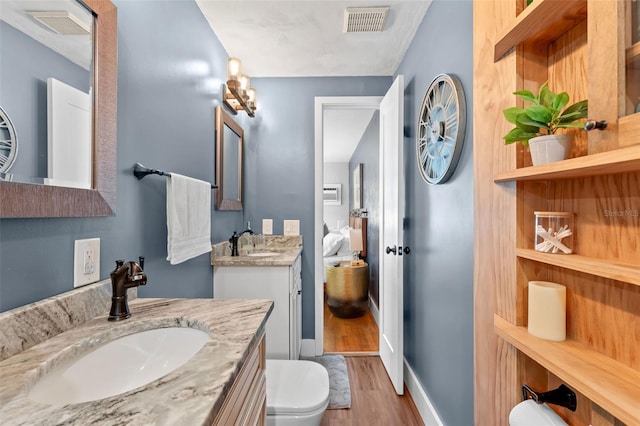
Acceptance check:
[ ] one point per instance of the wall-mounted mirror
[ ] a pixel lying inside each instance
(44, 180)
(229, 141)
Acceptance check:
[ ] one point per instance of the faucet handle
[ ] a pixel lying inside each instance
(119, 263)
(136, 274)
(141, 262)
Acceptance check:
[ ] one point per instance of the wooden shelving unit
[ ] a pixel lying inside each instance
(623, 160)
(598, 267)
(589, 58)
(541, 22)
(613, 386)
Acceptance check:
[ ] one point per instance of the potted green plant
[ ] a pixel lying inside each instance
(537, 124)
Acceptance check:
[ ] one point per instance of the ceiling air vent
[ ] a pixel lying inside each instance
(364, 19)
(61, 22)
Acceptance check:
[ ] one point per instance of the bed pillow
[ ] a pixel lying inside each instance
(331, 243)
(345, 247)
(345, 231)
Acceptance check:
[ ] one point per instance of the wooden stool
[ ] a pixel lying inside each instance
(348, 289)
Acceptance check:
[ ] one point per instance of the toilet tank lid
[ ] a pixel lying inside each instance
(296, 387)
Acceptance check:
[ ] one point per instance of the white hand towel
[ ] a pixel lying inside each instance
(188, 218)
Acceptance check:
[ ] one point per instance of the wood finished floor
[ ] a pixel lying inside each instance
(350, 335)
(373, 399)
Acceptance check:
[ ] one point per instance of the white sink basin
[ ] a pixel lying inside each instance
(119, 366)
(262, 254)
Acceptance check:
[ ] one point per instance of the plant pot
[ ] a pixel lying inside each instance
(549, 148)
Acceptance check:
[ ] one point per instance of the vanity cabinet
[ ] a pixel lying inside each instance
(283, 285)
(246, 402)
(586, 48)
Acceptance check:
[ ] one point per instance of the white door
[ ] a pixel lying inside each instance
(391, 255)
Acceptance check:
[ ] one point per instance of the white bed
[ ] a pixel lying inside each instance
(336, 247)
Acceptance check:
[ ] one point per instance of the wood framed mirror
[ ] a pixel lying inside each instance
(229, 142)
(35, 200)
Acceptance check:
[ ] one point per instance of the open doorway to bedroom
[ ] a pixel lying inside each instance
(350, 229)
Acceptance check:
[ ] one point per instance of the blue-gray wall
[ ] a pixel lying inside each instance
(438, 274)
(168, 87)
(280, 168)
(25, 65)
(367, 153)
(169, 80)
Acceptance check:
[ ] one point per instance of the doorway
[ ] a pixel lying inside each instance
(358, 335)
(391, 209)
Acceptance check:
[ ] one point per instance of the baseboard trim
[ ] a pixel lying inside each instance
(308, 347)
(420, 398)
(374, 311)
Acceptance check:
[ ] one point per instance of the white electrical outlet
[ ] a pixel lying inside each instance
(267, 226)
(291, 227)
(86, 264)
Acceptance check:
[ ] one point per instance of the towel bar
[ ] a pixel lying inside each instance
(141, 171)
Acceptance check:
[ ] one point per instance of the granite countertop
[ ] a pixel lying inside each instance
(190, 395)
(287, 249)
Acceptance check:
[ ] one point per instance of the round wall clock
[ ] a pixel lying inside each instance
(8, 142)
(441, 128)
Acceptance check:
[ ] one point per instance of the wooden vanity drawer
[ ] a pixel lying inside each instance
(246, 402)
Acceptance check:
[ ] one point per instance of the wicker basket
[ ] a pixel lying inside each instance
(348, 290)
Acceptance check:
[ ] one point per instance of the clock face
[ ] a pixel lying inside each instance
(441, 127)
(8, 142)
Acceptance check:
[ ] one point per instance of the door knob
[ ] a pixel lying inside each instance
(391, 250)
(593, 124)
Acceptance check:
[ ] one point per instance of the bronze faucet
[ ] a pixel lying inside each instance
(126, 275)
(234, 243)
(234, 240)
(235, 237)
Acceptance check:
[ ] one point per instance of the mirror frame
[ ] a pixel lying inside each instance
(33, 200)
(223, 119)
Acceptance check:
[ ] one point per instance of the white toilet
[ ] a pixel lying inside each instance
(297, 392)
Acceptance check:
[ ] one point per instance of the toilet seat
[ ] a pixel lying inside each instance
(296, 388)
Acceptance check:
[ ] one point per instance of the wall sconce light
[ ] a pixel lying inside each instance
(238, 93)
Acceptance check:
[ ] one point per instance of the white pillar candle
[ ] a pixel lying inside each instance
(547, 310)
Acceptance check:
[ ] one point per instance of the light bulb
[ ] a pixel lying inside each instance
(251, 93)
(234, 67)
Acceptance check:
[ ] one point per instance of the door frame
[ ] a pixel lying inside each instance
(322, 104)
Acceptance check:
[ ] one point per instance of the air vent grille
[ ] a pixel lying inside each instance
(61, 22)
(364, 19)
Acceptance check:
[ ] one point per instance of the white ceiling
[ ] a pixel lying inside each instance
(305, 38)
(343, 129)
(76, 48)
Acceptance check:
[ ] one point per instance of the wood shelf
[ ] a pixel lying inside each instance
(632, 55)
(623, 160)
(598, 267)
(541, 22)
(613, 386)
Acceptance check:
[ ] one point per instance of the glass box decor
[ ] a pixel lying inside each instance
(554, 232)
